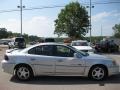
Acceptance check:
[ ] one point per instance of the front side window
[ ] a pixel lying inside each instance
(41, 50)
(64, 51)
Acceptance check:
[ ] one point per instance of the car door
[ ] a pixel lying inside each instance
(42, 59)
(66, 63)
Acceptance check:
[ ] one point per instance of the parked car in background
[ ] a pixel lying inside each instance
(18, 42)
(4, 41)
(82, 45)
(106, 46)
(33, 43)
(49, 40)
(53, 59)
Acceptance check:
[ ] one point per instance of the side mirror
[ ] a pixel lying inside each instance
(76, 55)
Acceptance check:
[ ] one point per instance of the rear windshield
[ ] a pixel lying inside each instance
(19, 40)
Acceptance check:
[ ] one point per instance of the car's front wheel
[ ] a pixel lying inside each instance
(23, 73)
(98, 73)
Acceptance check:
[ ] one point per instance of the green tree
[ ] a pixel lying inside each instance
(72, 21)
(33, 38)
(26, 37)
(16, 34)
(10, 34)
(116, 29)
(3, 33)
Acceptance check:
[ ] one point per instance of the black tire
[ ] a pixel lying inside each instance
(23, 73)
(98, 73)
(9, 47)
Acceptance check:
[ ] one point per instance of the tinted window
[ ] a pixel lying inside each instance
(42, 50)
(64, 51)
(19, 40)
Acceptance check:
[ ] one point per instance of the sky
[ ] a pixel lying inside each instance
(41, 22)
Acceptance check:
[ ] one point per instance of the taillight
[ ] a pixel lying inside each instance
(6, 58)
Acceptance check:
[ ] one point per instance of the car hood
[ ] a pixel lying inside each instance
(96, 57)
(83, 47)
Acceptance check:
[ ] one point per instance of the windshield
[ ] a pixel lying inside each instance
(78, 51)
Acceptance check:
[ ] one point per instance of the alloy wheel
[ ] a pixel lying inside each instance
(23, 73)
(98, 73)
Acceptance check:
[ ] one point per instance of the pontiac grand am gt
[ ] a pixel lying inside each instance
(57, 60)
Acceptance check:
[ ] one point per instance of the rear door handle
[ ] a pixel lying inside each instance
(60, 60)
(79, 64)
(32, 59)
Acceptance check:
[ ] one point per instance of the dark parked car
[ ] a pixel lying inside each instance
(49, 40)
(106, 46)
(18, 42)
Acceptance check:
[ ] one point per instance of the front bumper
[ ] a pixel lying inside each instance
(7, 67)
(113, 70)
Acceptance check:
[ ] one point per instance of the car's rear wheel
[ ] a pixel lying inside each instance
(23, 73)
(98, 73)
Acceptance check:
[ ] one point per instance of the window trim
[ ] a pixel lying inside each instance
(41, 54)
(55, 50)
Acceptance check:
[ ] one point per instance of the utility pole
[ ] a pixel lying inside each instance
(21, 10)
(90, 24)
(101, 32)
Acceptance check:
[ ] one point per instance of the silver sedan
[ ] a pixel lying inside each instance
(53, 59)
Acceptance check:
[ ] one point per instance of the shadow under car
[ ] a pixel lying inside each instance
(60, 80)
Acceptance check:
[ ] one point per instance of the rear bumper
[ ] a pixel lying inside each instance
(7, 67)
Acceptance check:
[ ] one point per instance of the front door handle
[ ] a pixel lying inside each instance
(60, 60)
(32, 59)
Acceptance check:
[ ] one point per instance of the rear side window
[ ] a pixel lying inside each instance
(42, 50)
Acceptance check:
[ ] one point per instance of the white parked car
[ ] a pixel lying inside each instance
(57, 60)
(82, 45)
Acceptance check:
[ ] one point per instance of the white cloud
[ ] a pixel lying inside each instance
(40, 25)
(100, 16)
(105, 19)
(119, 19)
(117, 14)
(11, 25)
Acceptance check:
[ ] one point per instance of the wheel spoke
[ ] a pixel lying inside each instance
(23, 73)
(19, 73)
(94, 73)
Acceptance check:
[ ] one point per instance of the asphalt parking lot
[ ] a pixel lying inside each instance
(7, 82)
